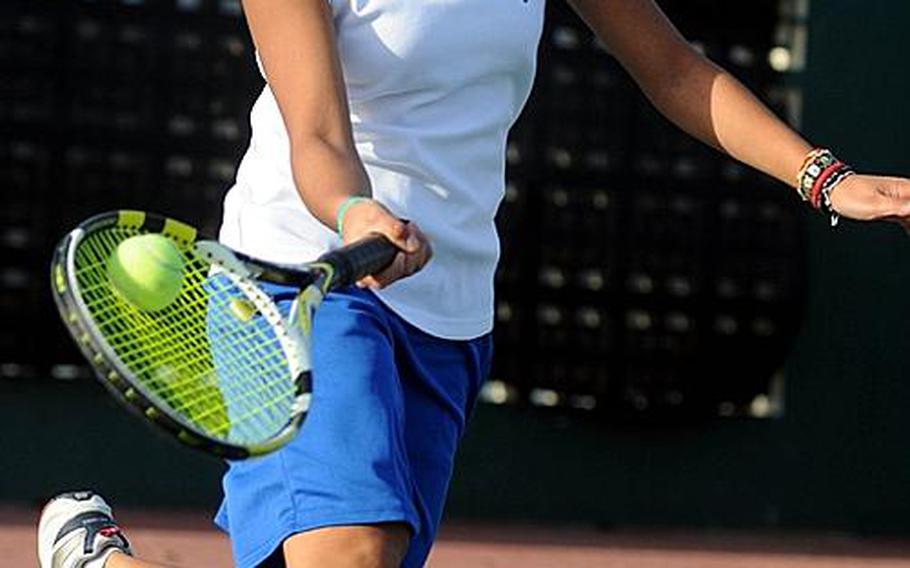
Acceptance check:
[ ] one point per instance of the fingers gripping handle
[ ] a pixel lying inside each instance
(356, 260)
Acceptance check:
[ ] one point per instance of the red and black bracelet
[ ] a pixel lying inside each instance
(820, 173)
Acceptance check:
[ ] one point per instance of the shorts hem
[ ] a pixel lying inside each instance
(263, 551)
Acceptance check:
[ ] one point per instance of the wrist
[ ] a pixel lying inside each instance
(820, 173)
(342, 209)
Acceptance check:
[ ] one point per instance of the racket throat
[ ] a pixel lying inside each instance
(300, 328)
(301, 406)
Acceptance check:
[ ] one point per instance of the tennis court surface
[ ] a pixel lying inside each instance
(187, 539)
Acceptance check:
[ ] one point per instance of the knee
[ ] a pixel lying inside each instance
(368, 546)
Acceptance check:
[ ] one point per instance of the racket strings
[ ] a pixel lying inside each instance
(120, 331)
(226, 376)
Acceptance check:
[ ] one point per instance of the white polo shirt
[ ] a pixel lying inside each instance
(433, 88)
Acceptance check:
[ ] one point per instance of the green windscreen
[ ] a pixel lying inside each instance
(209, 357)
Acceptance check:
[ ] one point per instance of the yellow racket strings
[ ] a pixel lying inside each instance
(221, 370)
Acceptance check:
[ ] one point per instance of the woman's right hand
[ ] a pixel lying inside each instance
(369, 216)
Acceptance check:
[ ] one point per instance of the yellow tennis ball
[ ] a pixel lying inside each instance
(147, 271)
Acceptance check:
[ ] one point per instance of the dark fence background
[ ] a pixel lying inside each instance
(648, 285)
(639, 268)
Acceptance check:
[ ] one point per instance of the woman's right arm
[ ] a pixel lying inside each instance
(296, 43)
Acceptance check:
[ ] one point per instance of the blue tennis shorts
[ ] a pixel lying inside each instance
(389, 407)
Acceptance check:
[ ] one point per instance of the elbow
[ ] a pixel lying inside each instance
(684, 77)
(303, 140)
(684, 93)
(308, 148)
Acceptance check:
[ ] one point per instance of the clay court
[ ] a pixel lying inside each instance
(187, 540)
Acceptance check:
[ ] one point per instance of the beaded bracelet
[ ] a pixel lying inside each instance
(343, 209)
(813, 168)
(810, 157)
(819, 174)
(829, 185)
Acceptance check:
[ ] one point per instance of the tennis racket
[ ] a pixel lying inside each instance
(224, 368)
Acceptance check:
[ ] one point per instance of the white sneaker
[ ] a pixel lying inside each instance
(77, 530)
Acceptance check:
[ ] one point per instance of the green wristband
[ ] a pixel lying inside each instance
(343, 209)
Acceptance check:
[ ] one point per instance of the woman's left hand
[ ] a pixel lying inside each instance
(873, 198)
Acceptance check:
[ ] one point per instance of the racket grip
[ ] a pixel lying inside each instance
(359, 259)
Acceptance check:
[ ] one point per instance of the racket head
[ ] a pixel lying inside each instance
(222, 368)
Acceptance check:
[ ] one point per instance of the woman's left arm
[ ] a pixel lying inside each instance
(710, 104)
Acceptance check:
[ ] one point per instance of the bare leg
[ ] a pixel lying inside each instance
(363, 546)
(120, 560)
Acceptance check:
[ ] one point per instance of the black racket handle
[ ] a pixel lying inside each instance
(356, 260)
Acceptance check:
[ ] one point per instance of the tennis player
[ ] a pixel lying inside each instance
(392, 116)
